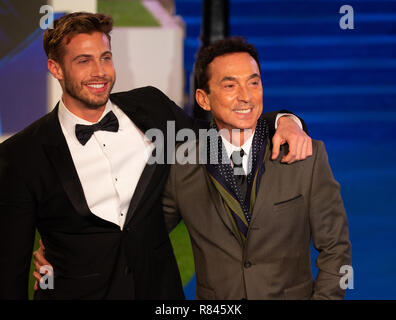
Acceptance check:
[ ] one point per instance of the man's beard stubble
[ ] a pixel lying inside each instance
(73, 89)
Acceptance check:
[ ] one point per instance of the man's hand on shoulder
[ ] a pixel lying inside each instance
(300, 144)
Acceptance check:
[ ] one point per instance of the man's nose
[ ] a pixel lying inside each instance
(98, 69)
(244, 94)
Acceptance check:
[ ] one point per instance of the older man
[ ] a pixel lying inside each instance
(251, 219)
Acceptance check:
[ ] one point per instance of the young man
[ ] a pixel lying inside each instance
(80, 175)
(251, 230)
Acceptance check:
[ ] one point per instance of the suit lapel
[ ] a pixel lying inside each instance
(143, 185)
(263, 191)
(55, 146)
(138, 116)
(218, 202)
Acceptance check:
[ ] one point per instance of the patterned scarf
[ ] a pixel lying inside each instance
(222, 175)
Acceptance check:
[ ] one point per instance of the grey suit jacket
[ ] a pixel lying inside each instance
(295, 203)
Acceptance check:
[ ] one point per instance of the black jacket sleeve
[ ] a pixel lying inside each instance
(182, 119)
(271, 117)
(17, 230)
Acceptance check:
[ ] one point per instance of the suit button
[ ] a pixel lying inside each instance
(127, 271)
(128, 229)
(248, 264)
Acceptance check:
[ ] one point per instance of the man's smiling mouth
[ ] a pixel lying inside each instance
(243, 111)
(97, 87)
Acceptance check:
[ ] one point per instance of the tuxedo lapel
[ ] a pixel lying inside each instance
(143, 185)
(138, 116)
(57, 151)
(64, 167)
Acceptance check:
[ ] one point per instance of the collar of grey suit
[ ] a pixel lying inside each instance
(219, 164)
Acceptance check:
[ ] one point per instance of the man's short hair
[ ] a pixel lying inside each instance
(218, 48)
(66, 27)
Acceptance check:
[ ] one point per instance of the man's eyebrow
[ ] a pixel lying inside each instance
(89, 55)
(82, 56)
(228, 79)
(254, 75)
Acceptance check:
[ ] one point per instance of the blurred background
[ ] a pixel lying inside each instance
(335, 70)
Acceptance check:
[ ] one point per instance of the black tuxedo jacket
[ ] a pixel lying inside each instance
(92, 258)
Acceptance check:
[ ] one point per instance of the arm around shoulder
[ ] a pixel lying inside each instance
(271, 118)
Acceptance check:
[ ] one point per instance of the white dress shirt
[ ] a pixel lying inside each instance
(230, 148)
(109, 165)
(289, 115)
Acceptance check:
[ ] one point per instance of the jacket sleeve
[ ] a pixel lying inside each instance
(329, 227)
(271, 118)
(17, 230)
(169, 202)
(181, 118)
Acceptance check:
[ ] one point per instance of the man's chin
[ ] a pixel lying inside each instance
(246, 125)
(96, 100)
(96, 103)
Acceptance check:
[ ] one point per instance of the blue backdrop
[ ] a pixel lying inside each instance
(343, 83)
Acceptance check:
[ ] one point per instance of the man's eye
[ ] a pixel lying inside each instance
(229, 86)
(83, 61)
(107, 58)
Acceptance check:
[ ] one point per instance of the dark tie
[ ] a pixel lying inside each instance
(239, 173)
(108, 123)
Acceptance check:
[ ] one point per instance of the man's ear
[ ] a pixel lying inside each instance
(202, 99)
(55, 69)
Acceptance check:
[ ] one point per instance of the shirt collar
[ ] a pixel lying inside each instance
(68, 120)
(230, 148)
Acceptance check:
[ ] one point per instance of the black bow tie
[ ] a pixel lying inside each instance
(108, 123)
